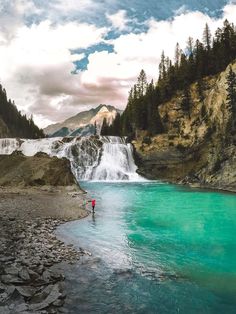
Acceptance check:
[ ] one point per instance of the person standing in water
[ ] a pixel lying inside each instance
(93, 205)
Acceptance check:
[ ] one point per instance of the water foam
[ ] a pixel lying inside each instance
(101, 158)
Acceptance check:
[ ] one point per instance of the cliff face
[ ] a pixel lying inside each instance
(197, 147)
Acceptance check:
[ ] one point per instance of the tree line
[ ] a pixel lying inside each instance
(19, 125)
(198, 60)
(231, 101)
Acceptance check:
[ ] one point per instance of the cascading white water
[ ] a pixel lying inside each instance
(9, 145)
(91, 158)
(117, 161)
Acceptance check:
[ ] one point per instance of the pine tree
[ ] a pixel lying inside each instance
(190, 46)
(177, 55)
(142, 83)
(207, 37)
(186, 100)
(116, 125)
(162, 67)
(95, 128)
(231, 97)
(200, 89)
(105, 127)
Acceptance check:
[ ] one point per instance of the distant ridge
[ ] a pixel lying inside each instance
(83, 123)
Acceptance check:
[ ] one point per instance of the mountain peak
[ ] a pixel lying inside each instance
(83, 122)
(103, 109)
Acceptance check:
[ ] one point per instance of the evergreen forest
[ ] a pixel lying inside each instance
(18, 125)
(198, 60)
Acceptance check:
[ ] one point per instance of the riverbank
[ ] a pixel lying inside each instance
(29, 247)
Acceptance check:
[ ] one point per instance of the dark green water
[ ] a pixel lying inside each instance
(157, 248)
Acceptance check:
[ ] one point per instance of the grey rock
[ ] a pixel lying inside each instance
(2, 288)
(33, 275)
(58, 303)
(3, 297)
(24, 274)
(4, 310)
(57, 275)
(11, 279)
(46, 276)
(52, 297)
(21, 308)
(40, 270)
(42, 294)
(12, 271)
(10, 290)
(6, 259)
(26, 291)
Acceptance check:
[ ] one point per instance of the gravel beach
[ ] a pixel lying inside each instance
(29, 247)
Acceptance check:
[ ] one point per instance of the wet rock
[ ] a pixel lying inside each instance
(41, 294)
(58, 303)
(52, 297)
(57, 276)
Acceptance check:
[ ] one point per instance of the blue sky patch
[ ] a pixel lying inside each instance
(81, 65)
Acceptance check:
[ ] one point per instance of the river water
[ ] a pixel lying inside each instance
(156, 248)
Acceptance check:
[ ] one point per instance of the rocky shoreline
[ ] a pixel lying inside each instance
(29, 248)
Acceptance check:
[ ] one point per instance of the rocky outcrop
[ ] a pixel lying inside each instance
(197, 147)
(39, 170)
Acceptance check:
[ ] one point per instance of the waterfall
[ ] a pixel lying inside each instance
(117, 161)
(104, 158)
(9, 145)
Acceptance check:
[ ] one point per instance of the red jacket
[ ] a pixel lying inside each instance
(93, 202)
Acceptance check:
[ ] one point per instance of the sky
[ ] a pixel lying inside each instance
(61, 57)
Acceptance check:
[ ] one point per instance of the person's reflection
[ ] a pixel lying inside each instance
(93, 220)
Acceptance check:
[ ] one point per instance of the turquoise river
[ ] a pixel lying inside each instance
(156, 248)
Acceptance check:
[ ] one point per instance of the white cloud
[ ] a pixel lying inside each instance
(118, 20)
(36, 62)
(132, 52)
(229, 12)
(12, 15)
(26, 7)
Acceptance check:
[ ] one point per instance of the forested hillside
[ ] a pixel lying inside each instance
(13, 123)
(197, 61)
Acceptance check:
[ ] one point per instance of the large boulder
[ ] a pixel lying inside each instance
(19, 170)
